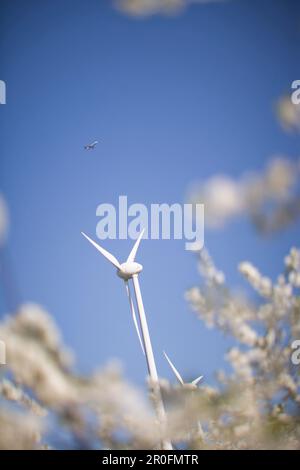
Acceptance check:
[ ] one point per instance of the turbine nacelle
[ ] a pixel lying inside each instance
(128, 269)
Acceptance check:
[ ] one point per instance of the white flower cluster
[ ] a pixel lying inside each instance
(270, 199)
(217, 307)
(18, 431)
(292, 262)
(141, 8)
(38, 361)
(289, 114)
(259, 404)
(261, 284)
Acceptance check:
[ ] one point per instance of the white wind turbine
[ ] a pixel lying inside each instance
(192, 385)
(130, 269)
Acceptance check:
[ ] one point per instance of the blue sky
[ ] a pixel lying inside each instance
(172, 100)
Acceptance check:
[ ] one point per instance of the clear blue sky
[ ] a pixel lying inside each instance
(171, 100)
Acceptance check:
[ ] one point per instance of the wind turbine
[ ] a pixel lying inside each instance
(129, 270)
(191, 385)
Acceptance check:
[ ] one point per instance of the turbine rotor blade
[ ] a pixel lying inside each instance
(105, 253)
(134, 315)
(178, 376)
(195, 382)
(132, 254)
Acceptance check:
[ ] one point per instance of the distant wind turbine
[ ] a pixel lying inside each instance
(129, 270)
(192, 384)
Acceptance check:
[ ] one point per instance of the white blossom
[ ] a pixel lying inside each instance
(141, 8)
(269, 198)
(289, 114)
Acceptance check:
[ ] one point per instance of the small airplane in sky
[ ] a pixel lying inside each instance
(91, 146)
